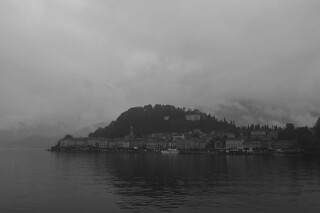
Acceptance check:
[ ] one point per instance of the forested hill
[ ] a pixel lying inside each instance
(162, 119)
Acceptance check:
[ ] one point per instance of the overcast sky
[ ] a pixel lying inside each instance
(80, 62)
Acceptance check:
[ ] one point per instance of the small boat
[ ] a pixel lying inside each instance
(170, 151)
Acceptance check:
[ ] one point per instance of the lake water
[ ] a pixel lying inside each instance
(40, 181)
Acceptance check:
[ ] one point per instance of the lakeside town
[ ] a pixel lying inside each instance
(256, 141)
(195, 141)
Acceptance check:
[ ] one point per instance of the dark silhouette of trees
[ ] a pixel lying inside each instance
(68, 137)
(304, 137)
(307, 139)
(150, 119)
(317, 129)
(288, 133)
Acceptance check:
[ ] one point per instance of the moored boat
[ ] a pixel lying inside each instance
(170, 151)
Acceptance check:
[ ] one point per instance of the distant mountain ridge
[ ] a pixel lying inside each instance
(33, 137)
(150, 119)
(33, 141)
(88, 129)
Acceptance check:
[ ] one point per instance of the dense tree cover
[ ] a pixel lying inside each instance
(152, 119)
(288, 133)
(317, 129)
(307, 138)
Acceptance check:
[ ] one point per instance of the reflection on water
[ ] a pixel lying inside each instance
(38, 181)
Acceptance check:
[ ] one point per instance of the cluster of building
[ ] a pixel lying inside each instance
(151, 144)
(155, 142)
(258, 141)
(226, 142)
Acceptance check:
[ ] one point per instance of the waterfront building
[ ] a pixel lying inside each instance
(139, 143)
(115, 143)
(284, 145)
(103, 144)
(93, 141)
(72, 142)
(252, 145)
(183, 144)
(234, 144)
(125, 143)
(157, 144)
(191, 143)
(200, 144)
(171, 144)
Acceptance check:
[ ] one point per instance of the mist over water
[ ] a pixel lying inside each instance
(39, 181)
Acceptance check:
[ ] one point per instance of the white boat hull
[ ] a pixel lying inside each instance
(170, 151)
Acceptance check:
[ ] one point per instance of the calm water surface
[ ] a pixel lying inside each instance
(39, 181)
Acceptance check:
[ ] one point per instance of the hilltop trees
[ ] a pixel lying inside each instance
(288, 133)
(150, 119)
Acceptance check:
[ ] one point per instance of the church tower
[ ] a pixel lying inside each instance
(131, 132)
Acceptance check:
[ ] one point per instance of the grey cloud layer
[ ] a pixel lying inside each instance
(82, 62)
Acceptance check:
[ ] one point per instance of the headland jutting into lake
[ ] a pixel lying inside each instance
(163, 127)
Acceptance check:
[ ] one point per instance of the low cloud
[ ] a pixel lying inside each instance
(247, 112)
(83, 62)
